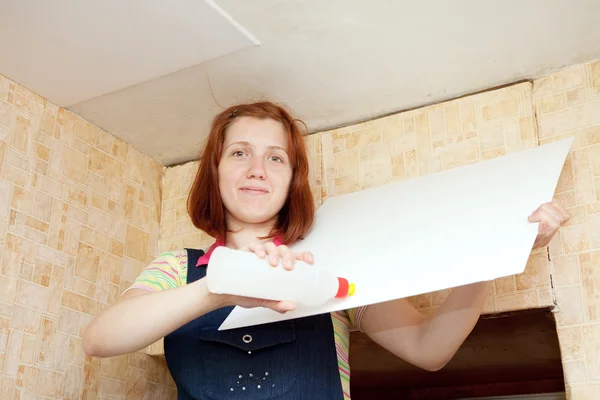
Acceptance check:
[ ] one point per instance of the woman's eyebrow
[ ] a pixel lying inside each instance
(240, 142)
(277, 148)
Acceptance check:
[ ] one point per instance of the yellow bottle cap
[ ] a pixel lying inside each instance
(351, 289)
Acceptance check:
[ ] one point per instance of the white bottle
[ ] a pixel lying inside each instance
(242, 273)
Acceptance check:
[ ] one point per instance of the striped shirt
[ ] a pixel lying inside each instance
(169, 271)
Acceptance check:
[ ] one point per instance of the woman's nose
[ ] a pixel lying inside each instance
(256, 169)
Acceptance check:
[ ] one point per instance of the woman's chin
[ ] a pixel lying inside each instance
(258, 218)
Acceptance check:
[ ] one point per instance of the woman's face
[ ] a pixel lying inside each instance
(254, 171)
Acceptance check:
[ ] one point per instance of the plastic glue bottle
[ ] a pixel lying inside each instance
(242, 273)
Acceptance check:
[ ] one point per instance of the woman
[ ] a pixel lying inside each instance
(251, 192)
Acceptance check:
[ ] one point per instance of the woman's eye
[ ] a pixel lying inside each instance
(238, 153)
(277, 159)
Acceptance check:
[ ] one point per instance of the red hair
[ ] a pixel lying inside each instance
(205, 205)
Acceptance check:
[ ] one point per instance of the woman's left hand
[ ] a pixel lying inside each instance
(551, 216)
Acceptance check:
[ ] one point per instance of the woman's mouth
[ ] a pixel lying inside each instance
(256, 190)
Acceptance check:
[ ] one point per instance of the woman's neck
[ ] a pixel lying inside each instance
(243, 234)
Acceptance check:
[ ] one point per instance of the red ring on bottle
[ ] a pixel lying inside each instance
(342, 288)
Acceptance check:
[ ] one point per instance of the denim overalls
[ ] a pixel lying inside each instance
(293, 359)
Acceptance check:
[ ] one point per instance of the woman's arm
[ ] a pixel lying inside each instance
(140, 318)
(431, 342)
(428, 343)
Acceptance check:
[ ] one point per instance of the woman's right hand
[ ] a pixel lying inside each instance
(275, 254)
(249, 302)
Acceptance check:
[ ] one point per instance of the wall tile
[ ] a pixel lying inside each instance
(566, 270)
(21, 134)
(574, 372)
(136, 243)
(51, 383)
(591, 342)
(5, 113)
(111, 388)
(583, 392)
(500, 110)
(13, 349)
(5, 197)
(571, 345)
(115, 367)
(568, 78)
(88, 262)
(8, 293)
(91, 370)
(536, 273)
(78, 302)
(574, 239)
(517, 301)
(505, 285)
(47, 336)
(135, 384)
(75, 165)
(594, 68)
(6, 387)
(553, 103)
(571, 305)
(33, 295)
(68, 321)
(591, 283)
(72, 383)
(27, 349)
(28, 377)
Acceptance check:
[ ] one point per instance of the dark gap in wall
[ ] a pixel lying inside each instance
(514, 353)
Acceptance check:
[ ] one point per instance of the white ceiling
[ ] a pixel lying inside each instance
(333, 62)
(71, 51)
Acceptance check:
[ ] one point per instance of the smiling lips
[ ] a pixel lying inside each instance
(254, 190)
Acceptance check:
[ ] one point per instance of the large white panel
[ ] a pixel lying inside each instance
(443, 230)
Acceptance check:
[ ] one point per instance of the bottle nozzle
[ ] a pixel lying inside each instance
(351, 289)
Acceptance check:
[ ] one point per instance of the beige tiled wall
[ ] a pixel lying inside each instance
(436, 138)
(79, 218)
(80, 212)
(568, 104)
(177, 230)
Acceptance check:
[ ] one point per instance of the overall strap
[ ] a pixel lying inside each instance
(195, 273)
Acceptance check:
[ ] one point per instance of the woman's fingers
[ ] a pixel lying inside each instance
(551, 216)
(287, 257)
(283, 306)
(250, 302)
(305, 256)
(563, 211)
(258, 249)
(282, 253)
(272, 253)
(557, 216)
(549, 221)
(279, 306)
